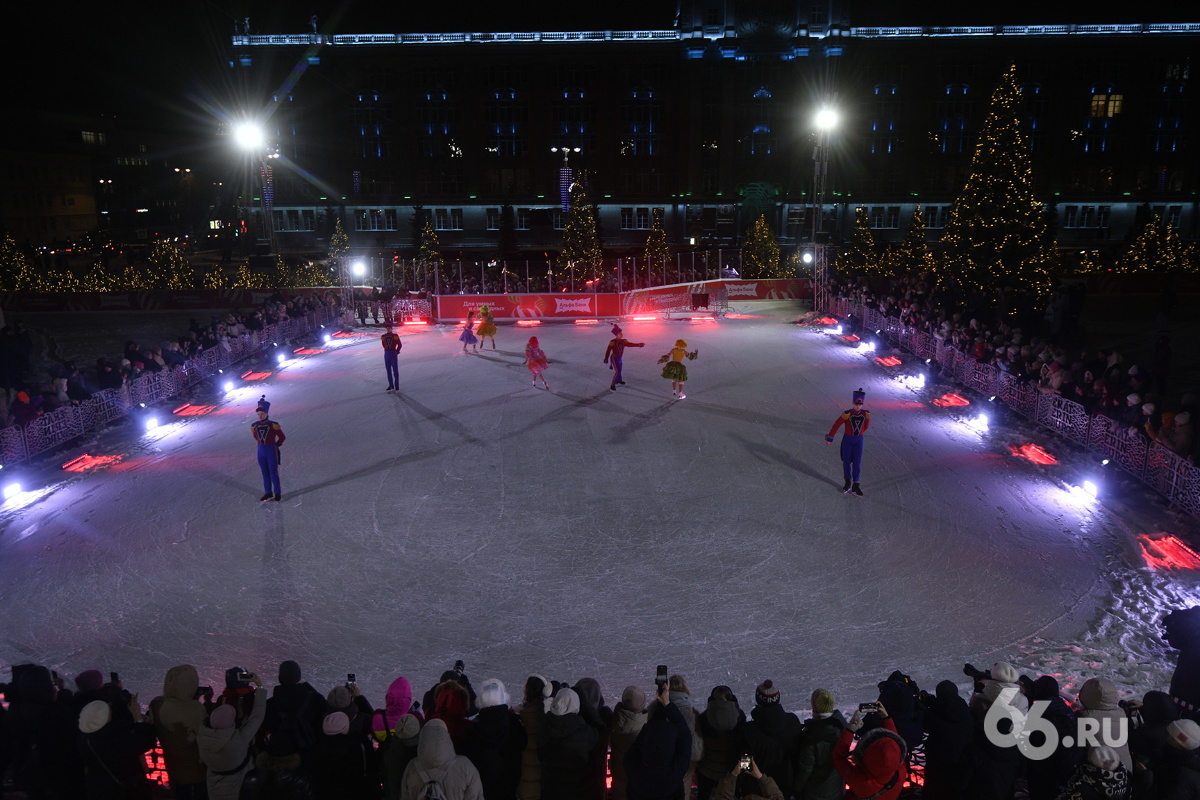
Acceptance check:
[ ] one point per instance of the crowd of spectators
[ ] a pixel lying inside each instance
(27, 397)
(1047, 349)
(562, 741)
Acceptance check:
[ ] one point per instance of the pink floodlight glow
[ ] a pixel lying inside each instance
(1165, 551)
(644, 319)
(189, 410)
(86, 462)
(256, 376)
(951, 400)
(307, 351)
(587, 322)
(529, 322)
(1034, 453)
(888, 361)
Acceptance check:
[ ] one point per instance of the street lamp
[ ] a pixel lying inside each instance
(253, 142)
(826, 120)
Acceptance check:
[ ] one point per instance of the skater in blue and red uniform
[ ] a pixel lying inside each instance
(269, 436)
(855, 420)
(391, 353)
(616, 353)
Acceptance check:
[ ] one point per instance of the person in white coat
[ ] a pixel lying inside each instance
(225, 747)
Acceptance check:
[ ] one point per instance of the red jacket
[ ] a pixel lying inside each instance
(875, 762)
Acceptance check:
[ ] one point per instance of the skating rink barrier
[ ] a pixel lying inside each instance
(48, 431)
(1151, 462)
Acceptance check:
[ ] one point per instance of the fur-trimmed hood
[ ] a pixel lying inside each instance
(880, 752)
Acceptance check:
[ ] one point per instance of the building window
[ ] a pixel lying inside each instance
(641, 115)
(935, 216)
(505, 125)
(375, 219)
(523, 215)
(448, 219)
(557, 219)
(635, 219)
(493, 219)
(1105, 103)
(1168, 214)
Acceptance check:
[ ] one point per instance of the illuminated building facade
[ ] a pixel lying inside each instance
(710, 120)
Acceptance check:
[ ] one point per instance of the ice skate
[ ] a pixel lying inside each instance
(857, 490)
(278, 498)
(265, 497)
(846, 488)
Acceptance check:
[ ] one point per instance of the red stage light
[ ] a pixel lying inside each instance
(1034, 453)
(86, 462)
(888, 361)
(307, 351)
(256, 376)
(850, 337)
(587, 322)
(529, 322)
(189, 410)
(948, 400)
(1165, 551)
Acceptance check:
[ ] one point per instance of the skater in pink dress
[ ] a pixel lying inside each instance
(536, 361)
(467, 337)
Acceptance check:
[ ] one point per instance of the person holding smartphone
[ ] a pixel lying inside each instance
(878, 768)
(748, 781)
(661, 754)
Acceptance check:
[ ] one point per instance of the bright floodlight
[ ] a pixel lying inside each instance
(282, 357)
(1091, 488)
(359, 268)
(228, 386)
(249, 136)
(826, 118)
(151, 423)
(12, 490)
(807, 259)
(328, 338)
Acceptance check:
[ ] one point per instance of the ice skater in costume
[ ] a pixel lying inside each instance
(536, 361)
(487, 328)
(391, 352)
(269, 436)
(675, 371)
(615, 353)
(467, 337)
(855, 420)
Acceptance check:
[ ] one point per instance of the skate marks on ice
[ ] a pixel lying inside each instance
(766, 453)
(441, 421)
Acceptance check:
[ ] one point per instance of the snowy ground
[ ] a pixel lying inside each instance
(580, 532)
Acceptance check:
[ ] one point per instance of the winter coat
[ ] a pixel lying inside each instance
(495, 741)
(450, 703)
(816, 778)
(565, 744)
(340, 768)
(112, 758)
(625, 727)
(436, 760)
(660, 756)
(398, 701)
(292, 705)
(949, 731)
(1098, 696)
(993, 768)
(177, 716)
(42, 734)
(1148, 744)
(1090, 782)
(595, 713)
(683, 703)
(721, 729)
(771, 739)
(1178, 776)
(1047, 776)
(226, 750)
(532, 715)
(728, 788)
(877, 762)
(397, 749)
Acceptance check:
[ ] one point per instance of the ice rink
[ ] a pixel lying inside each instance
(576, 532)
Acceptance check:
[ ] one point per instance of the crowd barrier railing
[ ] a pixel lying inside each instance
(19, 443)
(1159, 468)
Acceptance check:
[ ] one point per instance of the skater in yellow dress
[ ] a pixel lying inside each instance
(675, 371)
(487, 327)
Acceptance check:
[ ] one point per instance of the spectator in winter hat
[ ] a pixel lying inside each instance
(722, 732)
(450, 702)
(876, 769)
(1131, 414)
(771, 734)
(1047, 776)
(436, 756)
(177, 716)
(662, 752)
(1099, 699)
(1179, 440)
(112, 746)
(495, 741)
(565, 744)
(815, 774)
(1101, 774)
(627, 720)
(950, 733)
(535, 706)
(1148, 742)
(1001, 676)
(596, 713)
(292, 698)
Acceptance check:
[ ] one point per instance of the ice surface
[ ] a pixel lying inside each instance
(581, 532)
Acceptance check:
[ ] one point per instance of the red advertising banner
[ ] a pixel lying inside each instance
(529, 306)
(769, 289)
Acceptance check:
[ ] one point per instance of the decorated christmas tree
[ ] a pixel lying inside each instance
(168, 268)
(16, 270)
(215, 278)
(760, 253)
(339, 242)
(97, 278)
(247, 278)
(861, 256)
(580, 248)
(996, 235)
(912, 255)
(1158, 248)
(657, 252)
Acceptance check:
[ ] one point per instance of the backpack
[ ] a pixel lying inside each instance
(432, 790)
(294, 731)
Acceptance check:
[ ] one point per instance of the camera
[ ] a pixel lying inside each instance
(203, 691)
(660, 676)
(459, 666)
(350, 681)
(114, 678)
(744, 763)
(867, 708)
(245, 677)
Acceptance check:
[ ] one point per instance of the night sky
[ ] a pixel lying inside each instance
(163, 61)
